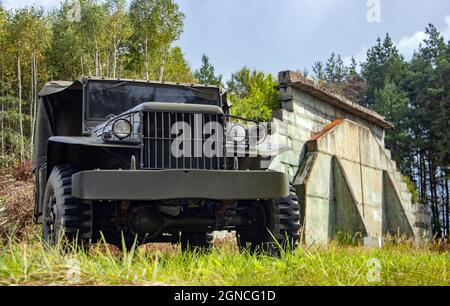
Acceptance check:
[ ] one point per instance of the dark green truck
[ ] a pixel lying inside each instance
(138, 162)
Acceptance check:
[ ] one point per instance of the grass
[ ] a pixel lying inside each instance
(23, 260)
(29, 264)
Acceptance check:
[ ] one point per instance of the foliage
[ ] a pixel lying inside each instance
(412, 189)
(206, 73)
(253, 94)
(111, 39)
(156, 24)
(383, 64)
(392, 103)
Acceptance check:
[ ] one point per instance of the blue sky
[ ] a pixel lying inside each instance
(273, 35)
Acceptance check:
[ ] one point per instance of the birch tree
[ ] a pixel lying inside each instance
(156, 24)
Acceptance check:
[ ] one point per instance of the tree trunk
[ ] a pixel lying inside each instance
(447, 204)
(432, 180)
(35, 84)
(2, 131)
(116, 45)
(82, 66)
(2, 125)
(31, 102)
(97, 64)
(19, 74)
(423, 183)
(443, 207)
(146, 59)
(163, 63)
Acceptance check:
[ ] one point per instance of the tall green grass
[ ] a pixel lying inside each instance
(30, 264)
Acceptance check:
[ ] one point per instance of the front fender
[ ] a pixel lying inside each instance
(86, 153)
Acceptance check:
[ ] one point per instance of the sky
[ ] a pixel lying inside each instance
(273, 35)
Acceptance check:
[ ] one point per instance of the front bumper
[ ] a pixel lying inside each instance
(179, 184)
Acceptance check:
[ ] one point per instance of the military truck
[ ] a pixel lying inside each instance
(130, 162)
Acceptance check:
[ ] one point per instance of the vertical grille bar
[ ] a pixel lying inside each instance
(147, 141)
(192, 141)
(169, 140)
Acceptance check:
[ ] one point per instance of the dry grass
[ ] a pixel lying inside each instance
(16, 201)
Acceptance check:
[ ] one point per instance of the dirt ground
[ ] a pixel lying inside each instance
(16, 201)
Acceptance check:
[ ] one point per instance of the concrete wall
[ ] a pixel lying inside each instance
(301, 117)
(343, 174)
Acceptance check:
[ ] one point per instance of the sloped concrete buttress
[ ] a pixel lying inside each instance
(395, 221)
(347, 212)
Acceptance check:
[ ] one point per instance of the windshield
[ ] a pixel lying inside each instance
(113, 98)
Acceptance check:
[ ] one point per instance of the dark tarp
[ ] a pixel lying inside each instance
(59, 114)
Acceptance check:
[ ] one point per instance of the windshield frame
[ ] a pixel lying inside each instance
(90, 122)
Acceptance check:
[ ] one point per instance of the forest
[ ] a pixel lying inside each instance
(137, 39)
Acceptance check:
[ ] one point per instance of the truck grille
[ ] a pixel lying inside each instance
(158, 141)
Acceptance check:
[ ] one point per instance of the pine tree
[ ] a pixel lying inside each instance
(384, 63)
(206, 73)
(335, 70)
(319, 71)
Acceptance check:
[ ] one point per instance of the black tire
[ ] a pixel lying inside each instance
(64, 216)
(196, 240)
(274, 225)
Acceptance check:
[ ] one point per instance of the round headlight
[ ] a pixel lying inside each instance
(122, 128)
(258, 134)
(238, 133)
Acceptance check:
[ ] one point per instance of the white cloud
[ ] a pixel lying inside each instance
(406, 45)
(446, 32)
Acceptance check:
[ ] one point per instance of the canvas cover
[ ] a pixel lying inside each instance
(59, 114)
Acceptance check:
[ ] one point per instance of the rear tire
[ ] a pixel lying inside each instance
(197, 240)
(63, 215)
(274, 226)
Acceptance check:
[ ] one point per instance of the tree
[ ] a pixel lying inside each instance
(177, 68)
(3, 22)
(119, 32)
(392, 103)
(157, 24)
(169, 27)
(206, 73)
(335, 70)
(354, 86)
(253, 94)
(384, 62)
(428, 85)
(319, 71)
(26, 34)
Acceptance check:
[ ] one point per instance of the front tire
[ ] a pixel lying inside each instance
(273, 226)
(64, 216)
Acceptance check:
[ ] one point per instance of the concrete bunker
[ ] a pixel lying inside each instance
(345, 177)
